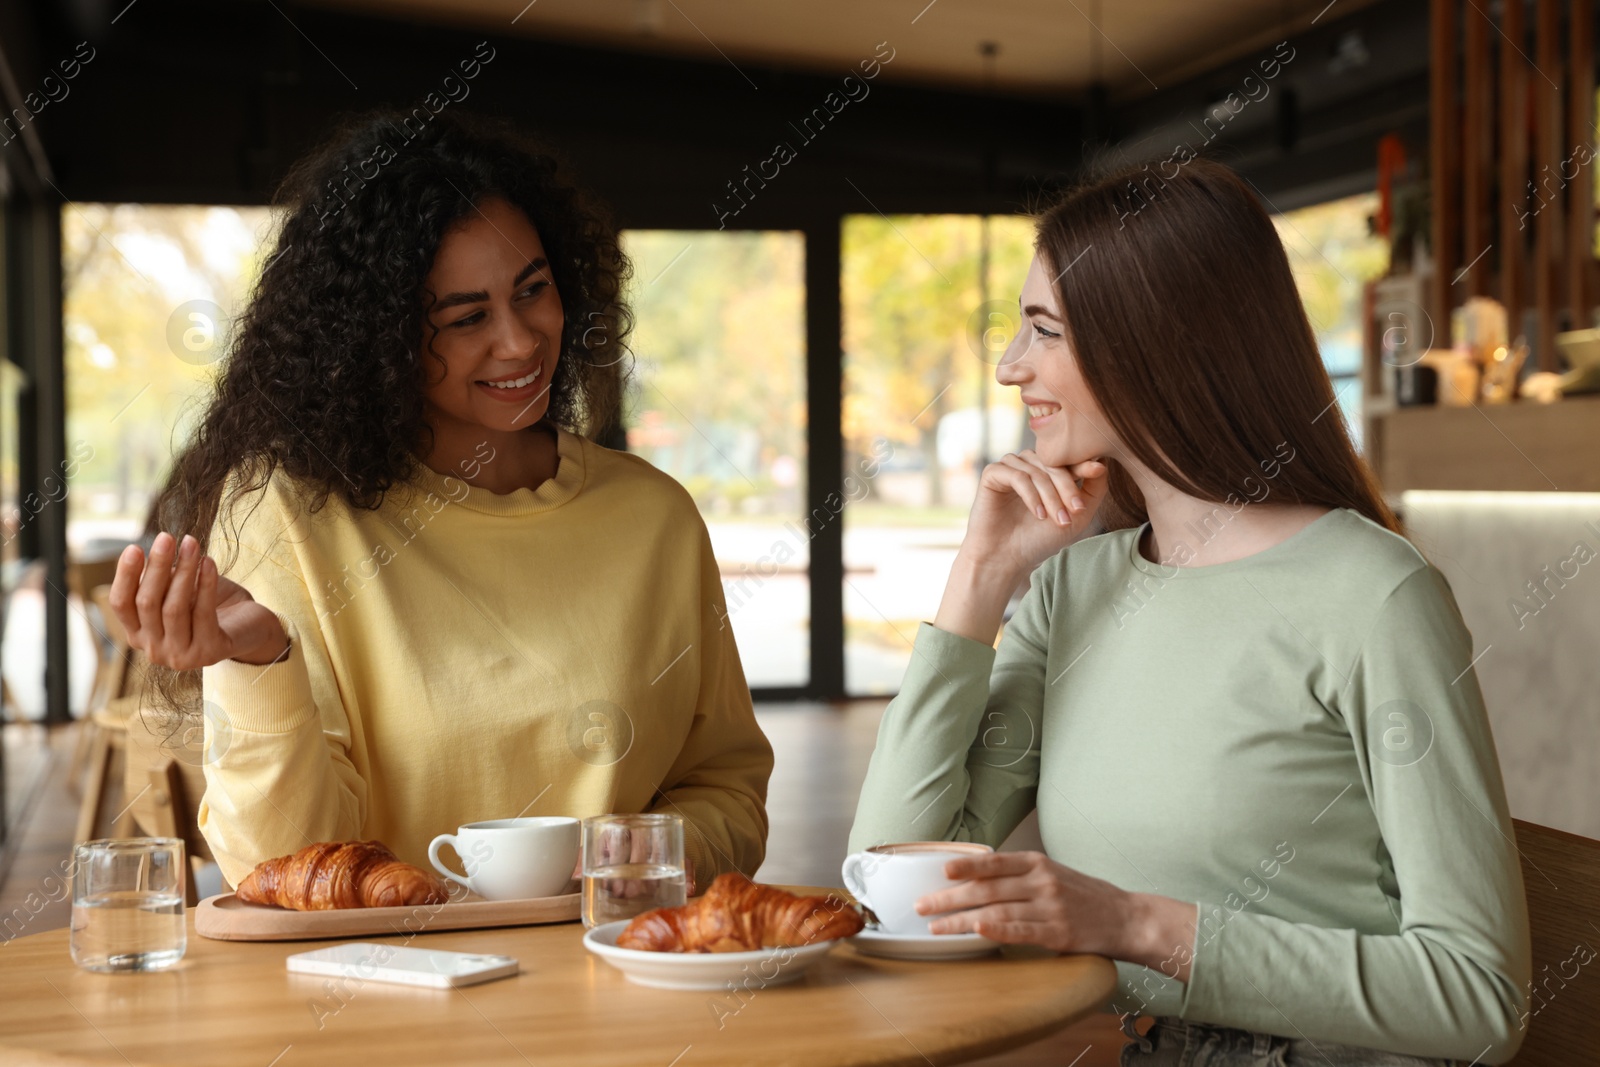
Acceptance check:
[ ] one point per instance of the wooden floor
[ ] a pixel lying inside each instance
(41, 814)
(822, 753)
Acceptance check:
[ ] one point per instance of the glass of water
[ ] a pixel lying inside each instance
(631, 863)
(127, 904)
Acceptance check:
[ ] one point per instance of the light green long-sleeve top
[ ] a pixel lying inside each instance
(1295, 740)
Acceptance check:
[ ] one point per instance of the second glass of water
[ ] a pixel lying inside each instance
(631, 863)
(127, 904)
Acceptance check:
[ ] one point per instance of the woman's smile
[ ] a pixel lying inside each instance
(514, 387)
(1040, 411)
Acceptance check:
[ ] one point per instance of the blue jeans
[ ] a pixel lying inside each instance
(1175, 1043)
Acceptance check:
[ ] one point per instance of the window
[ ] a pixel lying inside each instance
(1333, 255)
(719, 403)
(922, 414)
(148, 292)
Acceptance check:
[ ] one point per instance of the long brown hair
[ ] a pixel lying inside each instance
(1185, 321)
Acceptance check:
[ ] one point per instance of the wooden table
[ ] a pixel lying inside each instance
(234, 1003)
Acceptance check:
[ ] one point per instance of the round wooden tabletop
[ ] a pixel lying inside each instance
(230, 1002)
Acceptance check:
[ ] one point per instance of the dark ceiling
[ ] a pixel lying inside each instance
(208, 102)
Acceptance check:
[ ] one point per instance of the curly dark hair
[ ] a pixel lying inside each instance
(324, 375)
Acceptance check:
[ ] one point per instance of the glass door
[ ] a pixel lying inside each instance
(719, 402)
(930, 302)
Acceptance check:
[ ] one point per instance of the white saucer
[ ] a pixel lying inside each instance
(923, 946)
(702, 970)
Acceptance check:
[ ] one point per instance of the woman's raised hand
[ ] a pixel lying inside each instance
(1026, 512)
(182, 614)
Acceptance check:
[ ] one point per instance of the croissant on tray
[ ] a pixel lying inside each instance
(341, 874)
(737, 915)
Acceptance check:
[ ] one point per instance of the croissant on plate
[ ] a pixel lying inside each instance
(341, 874)
(737, 915)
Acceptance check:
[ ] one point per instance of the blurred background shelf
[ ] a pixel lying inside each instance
(1520, 447)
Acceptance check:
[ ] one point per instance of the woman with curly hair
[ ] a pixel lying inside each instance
(411, 589)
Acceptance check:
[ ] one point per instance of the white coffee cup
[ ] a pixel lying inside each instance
(512, 859)
(890, 878)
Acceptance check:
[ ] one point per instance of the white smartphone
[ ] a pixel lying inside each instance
(366, 961)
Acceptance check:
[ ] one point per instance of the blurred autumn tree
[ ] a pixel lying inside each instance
(127, 268)
(911, 288)
(719, 395)
(1333, 255)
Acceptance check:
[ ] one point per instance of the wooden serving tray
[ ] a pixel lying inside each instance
(227, 918)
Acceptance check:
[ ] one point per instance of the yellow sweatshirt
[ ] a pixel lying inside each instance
(460, 655)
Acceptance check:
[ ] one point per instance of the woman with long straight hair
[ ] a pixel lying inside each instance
(1246, 715)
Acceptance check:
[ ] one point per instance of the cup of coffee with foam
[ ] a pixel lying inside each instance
(890, 878)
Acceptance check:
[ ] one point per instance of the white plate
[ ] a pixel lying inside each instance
(923, 946)
(702, 970)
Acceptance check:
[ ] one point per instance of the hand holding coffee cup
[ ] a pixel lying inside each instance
(889, 879)
(1029, 898)
(512, 859)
